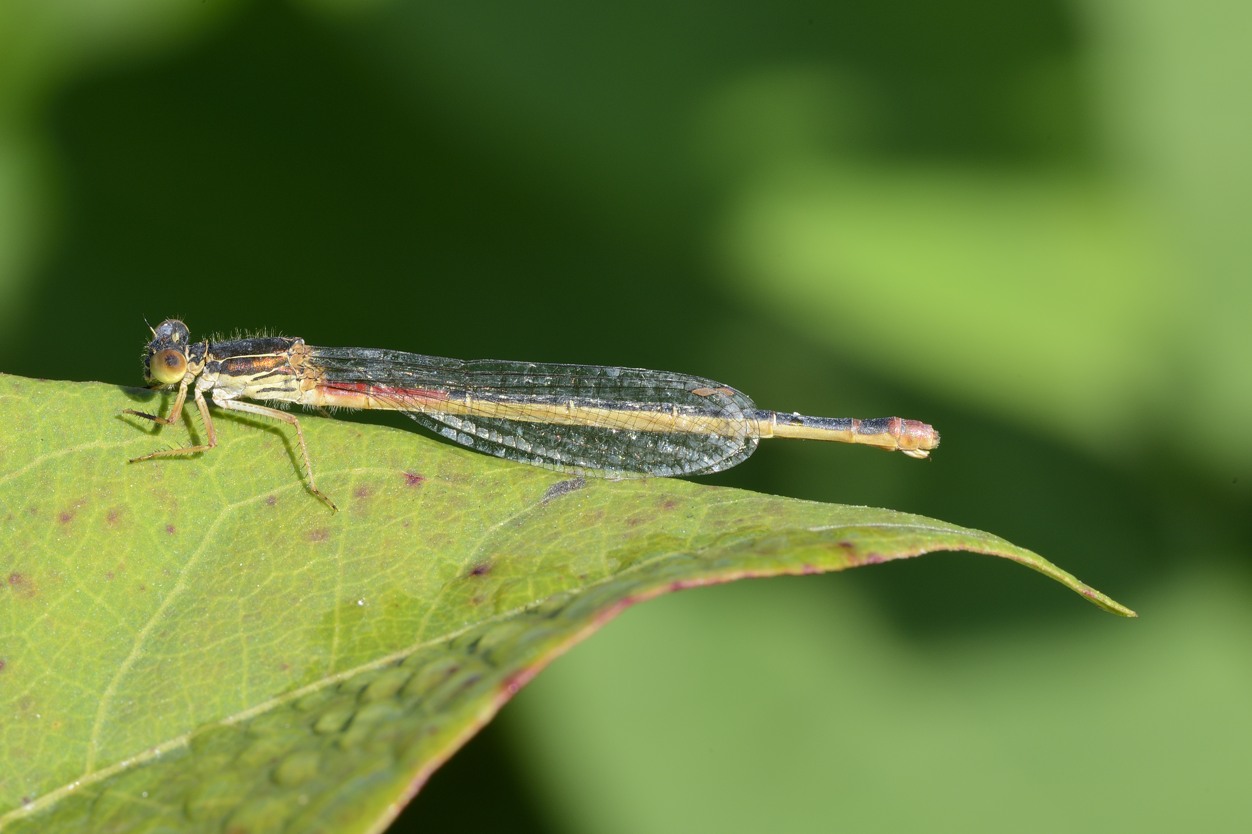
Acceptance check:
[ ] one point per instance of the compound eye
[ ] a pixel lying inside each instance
(168, 366)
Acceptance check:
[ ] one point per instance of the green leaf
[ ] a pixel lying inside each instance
(200, 644)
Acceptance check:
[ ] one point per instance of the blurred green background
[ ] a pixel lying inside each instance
(1023, 222)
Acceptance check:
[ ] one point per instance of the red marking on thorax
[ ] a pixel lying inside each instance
(254, 365)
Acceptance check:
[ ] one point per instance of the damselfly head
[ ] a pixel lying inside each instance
(165, 360)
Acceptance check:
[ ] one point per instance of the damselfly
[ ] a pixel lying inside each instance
(588, 419)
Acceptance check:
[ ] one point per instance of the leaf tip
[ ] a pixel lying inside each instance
(1107, 603)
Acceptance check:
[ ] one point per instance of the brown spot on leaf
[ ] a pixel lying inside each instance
(362, 492)
(271, 500)
(112, 516)
(413, 479)
(563, 488)
(22, 586)
(321, 534)
(169, 528)
(480, 569)
(65, 516)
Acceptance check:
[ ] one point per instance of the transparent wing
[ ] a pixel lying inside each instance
(604, 421)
